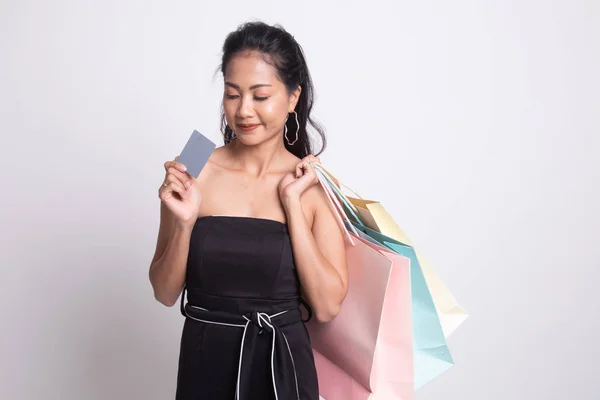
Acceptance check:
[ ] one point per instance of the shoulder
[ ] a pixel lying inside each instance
(317, 203)
(217, 162)
(214, 170)
(219, 157)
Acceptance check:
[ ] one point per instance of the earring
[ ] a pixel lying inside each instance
(297, 130)
(232, 132)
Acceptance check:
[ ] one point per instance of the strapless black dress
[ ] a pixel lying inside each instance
(244, 337)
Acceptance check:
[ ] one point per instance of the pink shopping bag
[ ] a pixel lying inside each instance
(366, 351)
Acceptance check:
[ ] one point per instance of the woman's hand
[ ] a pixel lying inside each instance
(180, 193)
(293, 185)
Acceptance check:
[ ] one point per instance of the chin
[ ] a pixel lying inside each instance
(252, 138)
(249, 138)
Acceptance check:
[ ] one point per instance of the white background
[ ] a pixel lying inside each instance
(474, 122)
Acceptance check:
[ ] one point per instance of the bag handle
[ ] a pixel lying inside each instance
(336, 180)
(336, 207)
(351, 208)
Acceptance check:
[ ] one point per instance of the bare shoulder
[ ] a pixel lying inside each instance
(218, 158)
(314, 200)
(219, 155)
(317, 203)
(214, 166)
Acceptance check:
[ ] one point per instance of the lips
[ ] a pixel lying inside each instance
(248, 127)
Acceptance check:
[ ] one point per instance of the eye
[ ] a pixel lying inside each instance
(260, 98)
(231, 96)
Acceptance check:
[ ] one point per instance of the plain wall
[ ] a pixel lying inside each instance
(475, 123)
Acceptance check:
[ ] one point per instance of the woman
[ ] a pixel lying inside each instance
(253, 237)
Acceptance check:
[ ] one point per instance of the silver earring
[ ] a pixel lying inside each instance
(297, 130)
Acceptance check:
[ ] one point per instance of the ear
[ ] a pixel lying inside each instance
(294, 97)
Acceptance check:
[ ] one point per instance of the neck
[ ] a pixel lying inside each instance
(258, 160)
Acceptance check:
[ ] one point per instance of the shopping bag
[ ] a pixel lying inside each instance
(366, 351)
(431, 354)
(376, 217)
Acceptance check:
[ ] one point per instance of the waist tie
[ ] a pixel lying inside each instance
(283, 369)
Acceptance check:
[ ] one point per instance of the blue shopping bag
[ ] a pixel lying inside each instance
(431, 354)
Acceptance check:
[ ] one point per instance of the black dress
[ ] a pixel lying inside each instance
(243, 337)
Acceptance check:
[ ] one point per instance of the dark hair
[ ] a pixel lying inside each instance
(281, 50)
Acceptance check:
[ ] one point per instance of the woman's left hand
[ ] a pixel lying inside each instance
(293, 185)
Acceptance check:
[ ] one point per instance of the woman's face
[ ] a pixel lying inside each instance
(255, 101)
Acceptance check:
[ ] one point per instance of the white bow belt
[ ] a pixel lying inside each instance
(283, 369)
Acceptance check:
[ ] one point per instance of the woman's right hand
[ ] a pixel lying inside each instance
(180, 193)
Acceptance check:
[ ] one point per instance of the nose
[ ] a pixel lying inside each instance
(245, 109)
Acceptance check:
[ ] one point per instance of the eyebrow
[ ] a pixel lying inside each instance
(251, 87)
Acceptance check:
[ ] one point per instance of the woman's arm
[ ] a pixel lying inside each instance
(168, 266)
(319, 253)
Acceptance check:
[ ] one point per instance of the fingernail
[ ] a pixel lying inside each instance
(184, 167)
(187, 184)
